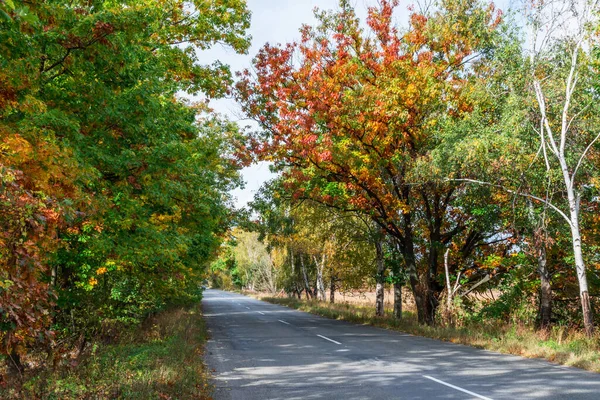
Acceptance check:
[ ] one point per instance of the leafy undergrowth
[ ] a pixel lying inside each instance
(560, 345)
(163, 360)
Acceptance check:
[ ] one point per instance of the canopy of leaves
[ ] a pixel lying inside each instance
(113, 189)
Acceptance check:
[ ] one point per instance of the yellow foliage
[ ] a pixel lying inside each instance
(163, 220)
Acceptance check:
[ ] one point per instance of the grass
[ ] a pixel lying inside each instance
(162, 360)
(559, 345)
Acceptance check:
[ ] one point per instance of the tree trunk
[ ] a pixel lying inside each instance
(320, 283)
(419, 292)
(419, 288)
(423, 300)
(332, 290)
(545, 287)
(586, 309)
(397, 300)
(14, 364)
(305, 277)
(448, 285)
(379, 290)
(587, 313)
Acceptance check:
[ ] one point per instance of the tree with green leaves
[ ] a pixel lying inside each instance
(114, 188)
(352, 120)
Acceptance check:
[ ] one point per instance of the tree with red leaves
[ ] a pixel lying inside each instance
(351, 116)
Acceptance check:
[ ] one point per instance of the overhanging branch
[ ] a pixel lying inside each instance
(549, 204)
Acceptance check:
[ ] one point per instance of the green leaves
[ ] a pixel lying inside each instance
(90, 119)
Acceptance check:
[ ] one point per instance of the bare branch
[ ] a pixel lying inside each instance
(583, 157)
(548, 203)
(570, 88)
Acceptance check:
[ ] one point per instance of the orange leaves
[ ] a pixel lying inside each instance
(416, 36)
(27, 228)
(309, 139)
(324, 156)
(357, 108)
(101, 271)
(16, 147)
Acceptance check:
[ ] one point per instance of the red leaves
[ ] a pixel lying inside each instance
(28, 225)
(356, 109)
(325, 156)
(309, 140)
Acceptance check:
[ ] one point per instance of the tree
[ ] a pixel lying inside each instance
(560, 75)
(354, 123)
(124, 184)
(257, 267)
(318, 244)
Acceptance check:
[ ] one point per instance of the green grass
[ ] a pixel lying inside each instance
(164, 360)
(560, 345)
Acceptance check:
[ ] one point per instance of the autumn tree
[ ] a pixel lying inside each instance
(116, 186)
(352, 117)
(324, 249)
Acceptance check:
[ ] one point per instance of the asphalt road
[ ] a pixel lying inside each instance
(264, 351)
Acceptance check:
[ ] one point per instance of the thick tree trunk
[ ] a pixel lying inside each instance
(420, 293)
(397, 300)
(332, 290)
(545, 287)
(419, 288)
(379, 290)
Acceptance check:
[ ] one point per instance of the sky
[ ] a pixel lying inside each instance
(274, 21)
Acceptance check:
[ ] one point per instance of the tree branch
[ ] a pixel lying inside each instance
(583, 157)
(549, 204)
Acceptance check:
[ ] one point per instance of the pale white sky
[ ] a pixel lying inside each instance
(275, 21)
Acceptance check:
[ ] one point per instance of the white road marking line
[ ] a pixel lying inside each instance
(261, 313)
(283, 322)
(326, 338)
(247, 308)
(457, 388)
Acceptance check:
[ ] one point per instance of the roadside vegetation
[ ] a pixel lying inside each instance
(114, 191)
(561, 344)
(163, 359)
(453, 160)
